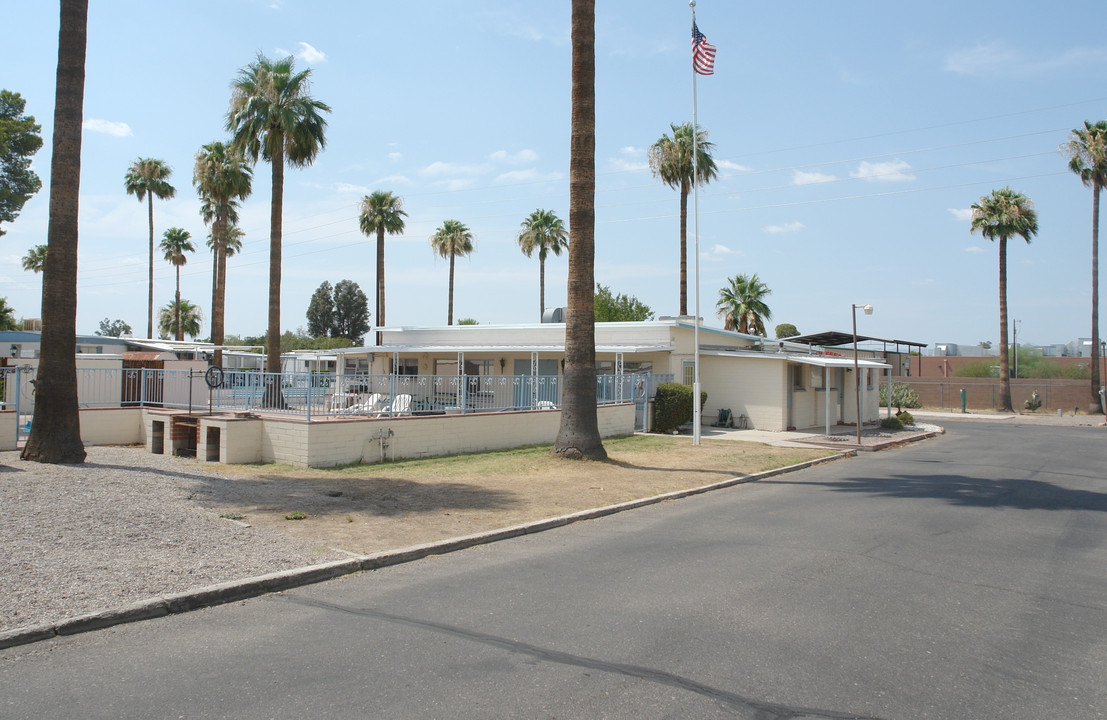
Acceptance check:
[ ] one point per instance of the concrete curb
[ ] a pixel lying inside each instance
(236, 590)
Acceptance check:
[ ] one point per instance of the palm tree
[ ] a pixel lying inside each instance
(542, 231)
(7, 316)
(578, 436)
(452, 240)
(273, 116)
(221, 177)
(35, 259)
(1087, 151)
(671, 162)
(56, 432)
(146, 179)
(1003, 214)
(381, 212)
(742, 304)
(174, 245)
(180, 318)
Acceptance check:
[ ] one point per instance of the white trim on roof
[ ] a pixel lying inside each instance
(817, 360)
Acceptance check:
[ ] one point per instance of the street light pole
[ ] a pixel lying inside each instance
(856, 373)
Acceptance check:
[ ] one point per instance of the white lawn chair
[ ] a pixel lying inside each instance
(401, 405)
(367, 406)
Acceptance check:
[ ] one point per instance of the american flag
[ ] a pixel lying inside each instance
(703, 53)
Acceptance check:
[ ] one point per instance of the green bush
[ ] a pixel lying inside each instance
(672, 407)
(906, 418)
(892, 423)
(977, 369)
(903, 396)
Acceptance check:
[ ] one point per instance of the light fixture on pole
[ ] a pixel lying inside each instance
(856, 375)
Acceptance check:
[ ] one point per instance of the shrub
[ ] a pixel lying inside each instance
(978, 369)
(892, 423)
(903, 396)
(672, 407)
(905, 417)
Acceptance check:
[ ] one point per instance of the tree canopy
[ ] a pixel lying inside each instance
(113, 328)
(20, 139)
(786, 330)
(742, 304)
(339, 312)
(608, 307)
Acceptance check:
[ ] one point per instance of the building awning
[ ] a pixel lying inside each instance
(503, 349)
(816, 360)
(834, 338)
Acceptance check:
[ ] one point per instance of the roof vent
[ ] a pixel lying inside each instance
(554, 315)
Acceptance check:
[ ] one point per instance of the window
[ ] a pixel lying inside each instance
(798, 377)
(689, 372)
(406, 366)
(472, 367)
(868, 379)
(638, 367)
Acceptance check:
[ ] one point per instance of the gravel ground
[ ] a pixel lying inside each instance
(62, 559)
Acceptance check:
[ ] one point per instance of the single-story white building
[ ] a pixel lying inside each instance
(767, 384)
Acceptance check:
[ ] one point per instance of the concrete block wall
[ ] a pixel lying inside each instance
(8, 422)
(111, 426)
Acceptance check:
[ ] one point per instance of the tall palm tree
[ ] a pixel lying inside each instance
(146, 179)
(7, 316)
(175, 243)
(578, 436)
(1087, 151)
(451, 241)
(671, 162)
(1003, 214)
(180, 318)
(742, 304)
(274, 117)
(382, 212)
(35, 259)
(542, 231)
(56, 432)
(221, 177)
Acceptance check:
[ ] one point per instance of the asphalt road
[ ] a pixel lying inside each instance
(961, 577)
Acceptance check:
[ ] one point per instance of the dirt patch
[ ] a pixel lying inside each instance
(369, 508)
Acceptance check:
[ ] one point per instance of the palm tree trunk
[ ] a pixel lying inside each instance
(178, 335)
(219, 288)
(684, 247)
(273, 340)
(380, 279)
(579, 436)
(1095, 405)
(150, 293)
(56, 431)
(541, 287)
(450, 311)
(1004, 361)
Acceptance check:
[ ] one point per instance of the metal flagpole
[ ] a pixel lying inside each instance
(696, 409)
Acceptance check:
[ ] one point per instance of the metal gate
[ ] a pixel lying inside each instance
(17, 393)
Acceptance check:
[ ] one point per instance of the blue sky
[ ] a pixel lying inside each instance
(851, 138)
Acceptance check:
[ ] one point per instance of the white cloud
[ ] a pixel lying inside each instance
(964, 215)
(894, 171)
(456, 184)
(974, 249)
(348, 188)
(631, 159)
(718, 253)
(528, 175)
(923, 281)
(997, 59)
(523, 156)
(393, 180)
(785, 228)
(811, 178)
(107, 127)
(395, 156)
(310, 55)
(439, 168)
(728, 165)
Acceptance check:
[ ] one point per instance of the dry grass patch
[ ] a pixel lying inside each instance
(368, 508)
